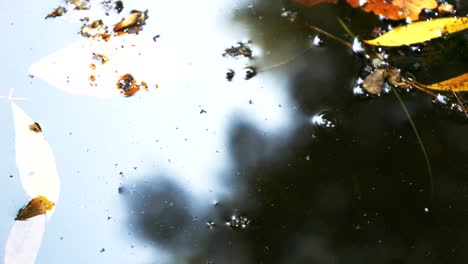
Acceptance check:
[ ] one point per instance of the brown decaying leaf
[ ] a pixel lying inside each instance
(59, 11)
(95, 30)
(35, 127)
(129, 86)
(396, 9)
(310, 3)
(37, 206)
(456, 84)
(100, 57)
(374, 82)
(133, 23)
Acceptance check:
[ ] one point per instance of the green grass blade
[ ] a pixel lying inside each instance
(421, 144)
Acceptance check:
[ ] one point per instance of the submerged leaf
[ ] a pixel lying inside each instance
(457, 84)
(420, 32)
(396, 9)
(37, 206)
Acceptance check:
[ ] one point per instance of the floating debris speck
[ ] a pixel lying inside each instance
(242, 48)
(129, 86)
(230, 74)
(95, 30)
(59, 11)
(79, 5)
(250, 72)
(35, 127)
(100, 57)
(108, 5)
(132, 24)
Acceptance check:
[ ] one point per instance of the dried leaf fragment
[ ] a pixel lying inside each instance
(242, 48)
(79, 5)
(374, 82)
(95, 30)
(420, 32)
(456, 84)
(133, 23)
(129, 86)
(100, 57)
(396, 9)
(37, 206)
(35, 127)
(59, 11)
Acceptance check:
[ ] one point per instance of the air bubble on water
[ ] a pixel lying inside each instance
(357, 46)
(321, 120)
(441, 99)
(289, 15)
(210, 224)
(238, 222)
(318, 41)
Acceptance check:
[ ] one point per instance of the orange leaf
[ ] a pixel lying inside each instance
(456, 84)
(310, 3)
(396, 9)
(36, 206)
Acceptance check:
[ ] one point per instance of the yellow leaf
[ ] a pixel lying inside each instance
(37, 206)
(457, 84)
(420, 32)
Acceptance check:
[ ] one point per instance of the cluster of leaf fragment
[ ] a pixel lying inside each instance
(37, 206)
(129, 86)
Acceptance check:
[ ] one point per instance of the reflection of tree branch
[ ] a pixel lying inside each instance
(344, 42)
(291, 59)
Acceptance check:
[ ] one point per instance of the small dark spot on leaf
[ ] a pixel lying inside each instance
(35, 127)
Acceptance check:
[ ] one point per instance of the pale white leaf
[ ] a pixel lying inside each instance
(24, 240)
(70, 68)
(34, 159)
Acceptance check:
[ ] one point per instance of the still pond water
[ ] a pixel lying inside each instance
(291, 166)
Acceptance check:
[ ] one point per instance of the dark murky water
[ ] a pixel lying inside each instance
(287, 167)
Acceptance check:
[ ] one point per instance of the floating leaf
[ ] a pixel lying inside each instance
(420, 32)
(34, 158)
(69, 68)
(24, 240)
(374, 82)
(457, 84)
(37, 206)
(396, 9)
(310, 3)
